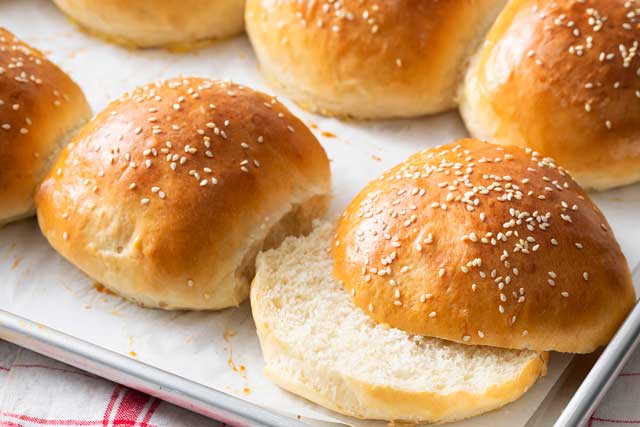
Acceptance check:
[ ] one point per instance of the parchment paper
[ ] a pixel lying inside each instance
(218, 349)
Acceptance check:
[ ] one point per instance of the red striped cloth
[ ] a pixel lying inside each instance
(36, 391)
(621, 407)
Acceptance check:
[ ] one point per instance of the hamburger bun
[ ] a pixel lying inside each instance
(40, 109)
(562, 77)
(167, 195)
(157, 23)
(368, 59)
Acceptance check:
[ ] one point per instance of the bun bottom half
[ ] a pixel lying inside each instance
(319, 345)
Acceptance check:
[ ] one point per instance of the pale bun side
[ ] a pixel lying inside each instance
(319, 345)
(485, 245)
(157, 23)
(562, 78)
(368, 59)
(40, 109)
(167, 195)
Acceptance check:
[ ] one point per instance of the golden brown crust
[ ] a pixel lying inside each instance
(39, 107)
(151, 23)
(357, 398)
(368, 59)
(166, 194)
(488, 245)
(561, 76)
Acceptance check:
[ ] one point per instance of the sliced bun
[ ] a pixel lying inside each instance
(368, 59)
(562, 78)
(167, 195)
(487, 245)
(40, 108)
(319, 345)
(155, 23)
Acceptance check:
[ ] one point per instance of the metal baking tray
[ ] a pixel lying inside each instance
(569, 402)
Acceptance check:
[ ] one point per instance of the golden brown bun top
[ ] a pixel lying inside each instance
(405, 55)
(483, 244)
(178, 178)
(563, 77)
(39, 106)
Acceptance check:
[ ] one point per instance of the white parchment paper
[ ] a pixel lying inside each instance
(217, 349)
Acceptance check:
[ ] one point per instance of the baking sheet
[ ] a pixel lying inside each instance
(220, 349)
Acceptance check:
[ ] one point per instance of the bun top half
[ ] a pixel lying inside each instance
(486, 245)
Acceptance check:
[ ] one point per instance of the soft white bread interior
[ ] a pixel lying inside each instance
(319, 345)
(152, 23)
(167, 195)
(368, 58)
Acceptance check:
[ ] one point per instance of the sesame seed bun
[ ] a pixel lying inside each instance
(167, 195)
(488, 245)
(368, 59)
(40, 108)
(562, 77)
(157, 23)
